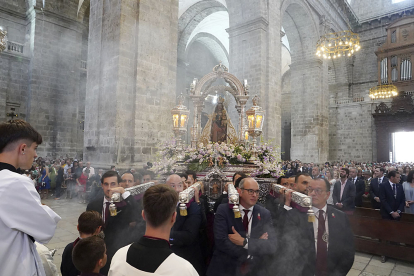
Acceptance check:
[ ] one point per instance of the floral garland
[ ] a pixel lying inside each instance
(222, 154)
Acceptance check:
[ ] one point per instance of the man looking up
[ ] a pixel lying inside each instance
(344, 192)
(152, 254)
(116, 228)
(184, 238)
(147, 176)
(23, 219)
(245, 244)
(309, 254)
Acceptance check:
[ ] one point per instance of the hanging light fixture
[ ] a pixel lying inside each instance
(383, 91)
(3, 39)
(338, 44)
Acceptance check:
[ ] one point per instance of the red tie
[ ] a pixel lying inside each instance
(106, 212)
(322, 248)
(246, 221)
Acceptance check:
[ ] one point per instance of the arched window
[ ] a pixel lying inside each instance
(405, 69)
(384, 70)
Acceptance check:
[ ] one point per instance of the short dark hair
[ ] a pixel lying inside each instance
(15, 130)
(346, 171)
(328, 185)
(298, 175)
(159, 204)
(279, 180)
(410, 176)
(237, 183)
(87, 252)
(111, 174)
(381, 169)
(393, 174)
(183, 175)
(238, 173)
(89, 221)
(192, 173)
(150, 173)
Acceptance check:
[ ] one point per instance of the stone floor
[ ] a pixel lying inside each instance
(66, 232)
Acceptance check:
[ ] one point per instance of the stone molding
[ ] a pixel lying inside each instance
(249, 26)
(306, 64)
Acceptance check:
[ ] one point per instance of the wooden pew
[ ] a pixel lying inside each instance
(375, 235)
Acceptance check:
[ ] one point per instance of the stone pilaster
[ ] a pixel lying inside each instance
(255, 56)
(309, 111)
(131, 80)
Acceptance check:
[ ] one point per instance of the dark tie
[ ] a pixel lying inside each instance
(106, 212)
(322, 248)
(393, 189)
(246, 221)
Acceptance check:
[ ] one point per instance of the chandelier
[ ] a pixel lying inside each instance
(339, 44)
(3, 39)
(383, 91)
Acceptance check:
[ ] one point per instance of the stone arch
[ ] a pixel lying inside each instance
(83, 9)
(237, 10)
(300, 27)
(191, 18)
(213, 44)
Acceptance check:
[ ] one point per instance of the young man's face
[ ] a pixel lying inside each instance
(190, 180)
(108, 184)
(128, 180)
(146, 178)
(29, 156)
(302, 184)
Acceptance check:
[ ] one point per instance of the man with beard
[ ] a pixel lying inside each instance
(344, 192)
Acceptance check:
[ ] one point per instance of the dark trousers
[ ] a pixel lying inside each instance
(58, 188)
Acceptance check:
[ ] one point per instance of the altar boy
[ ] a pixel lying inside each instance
(23, 219)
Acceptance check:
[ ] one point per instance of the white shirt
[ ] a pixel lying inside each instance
(249, 218)
(47, 260)
(391, 184)
(91, 171)
(172, 266)
(22, 214)
(316, 224)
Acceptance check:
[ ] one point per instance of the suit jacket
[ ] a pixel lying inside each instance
(359, 191)
(117, 229)
(184, 237)
(389, 203)
(299, 245)
(228, 257)
(348, 196)
(374, 192)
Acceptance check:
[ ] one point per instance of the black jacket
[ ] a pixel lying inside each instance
(374, 192)
(359, 191)
(348, 196)
(389, 203)
(299, 244)
(67, 268)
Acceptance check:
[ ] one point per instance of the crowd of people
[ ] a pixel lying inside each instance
(150, 235)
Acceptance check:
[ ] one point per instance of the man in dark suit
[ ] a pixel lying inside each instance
(323, 247)
(344, 192)
(116, 228)
(243, 245)
(359, 186)
(184, 237)
(392, 197)
(374, 187)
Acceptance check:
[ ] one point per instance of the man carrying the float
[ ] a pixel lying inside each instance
(246, 241)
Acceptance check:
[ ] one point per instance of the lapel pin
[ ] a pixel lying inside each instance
(258, 216)
(333, 215)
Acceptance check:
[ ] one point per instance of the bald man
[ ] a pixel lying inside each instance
(184, 238)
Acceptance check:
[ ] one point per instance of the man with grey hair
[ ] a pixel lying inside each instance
(245, 244)
(91, 169)
(184, 237)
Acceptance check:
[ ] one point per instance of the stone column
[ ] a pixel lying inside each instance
(310, 111)
(131, 80)
(255, 56)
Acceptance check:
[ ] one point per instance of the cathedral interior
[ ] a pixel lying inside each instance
(98, 78)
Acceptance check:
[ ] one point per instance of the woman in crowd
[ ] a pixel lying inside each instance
(330, 177)
(45, 181)
(409, 193)
(81, 185)
(70, 182)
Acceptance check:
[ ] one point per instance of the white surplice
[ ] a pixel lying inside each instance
(22, 214)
